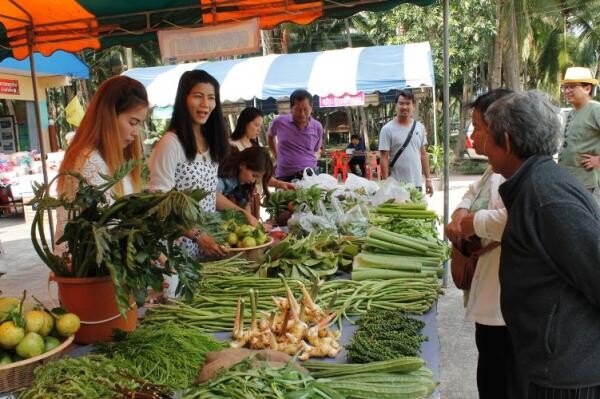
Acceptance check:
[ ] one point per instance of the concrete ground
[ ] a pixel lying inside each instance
(458, 355)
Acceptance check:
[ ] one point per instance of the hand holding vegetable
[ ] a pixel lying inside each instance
(284, 185)
(210, 246)
(253, 221)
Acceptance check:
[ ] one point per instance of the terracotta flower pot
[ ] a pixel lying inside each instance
(93, 300)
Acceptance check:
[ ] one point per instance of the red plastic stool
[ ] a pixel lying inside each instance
(340, 162)
(372, 166)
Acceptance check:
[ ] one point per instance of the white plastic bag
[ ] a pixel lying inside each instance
(304, 221)
(310, 178)
(390, 189)
(355, 182)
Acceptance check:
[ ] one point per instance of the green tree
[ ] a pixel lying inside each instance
(326, 34)
(472, 28)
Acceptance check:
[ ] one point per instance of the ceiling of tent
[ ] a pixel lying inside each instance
(73, 25)
(350, 70)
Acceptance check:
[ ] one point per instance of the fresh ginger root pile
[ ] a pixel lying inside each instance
(294, 327)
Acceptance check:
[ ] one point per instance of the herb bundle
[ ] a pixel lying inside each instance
(164, 354)
(91, 377)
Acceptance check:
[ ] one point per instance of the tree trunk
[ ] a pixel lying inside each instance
(363, 125)
(511, 59)
(464, 111)
(326, 129)
(496, 75)
(350, 120)
(267, 41)
(285, 39)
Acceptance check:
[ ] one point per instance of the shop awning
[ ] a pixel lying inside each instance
(59, 63)
(73, 25)
(350, 70)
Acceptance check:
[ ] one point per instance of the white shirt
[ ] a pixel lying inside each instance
(169, 168)
(408, 166)
(483, 306)
(91, 169)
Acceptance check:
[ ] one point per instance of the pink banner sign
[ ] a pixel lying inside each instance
(347, 100)
(9, 86)
(178, 45)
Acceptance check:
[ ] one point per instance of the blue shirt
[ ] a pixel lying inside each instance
(359, 147)
(231, 188)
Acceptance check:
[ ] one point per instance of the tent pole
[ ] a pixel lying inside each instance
(446, 98)
(435, 138)
(38, 120)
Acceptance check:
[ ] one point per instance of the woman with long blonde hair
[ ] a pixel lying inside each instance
(108, 136)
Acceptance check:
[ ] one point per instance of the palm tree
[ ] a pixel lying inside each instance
(326, 34)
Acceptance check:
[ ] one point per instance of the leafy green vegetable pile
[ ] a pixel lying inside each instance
(121, 239)
(165, 354)
(248, 381)
(91, 377)
(316, 255)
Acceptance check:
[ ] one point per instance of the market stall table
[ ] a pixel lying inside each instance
(429, 349)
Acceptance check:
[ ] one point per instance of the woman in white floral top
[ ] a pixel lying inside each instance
(188, 155)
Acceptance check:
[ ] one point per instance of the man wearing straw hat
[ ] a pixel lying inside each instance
(581, 147)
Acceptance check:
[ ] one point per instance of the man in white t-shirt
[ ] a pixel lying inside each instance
(413, 162)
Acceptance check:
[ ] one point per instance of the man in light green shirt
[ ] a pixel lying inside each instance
(581, 148)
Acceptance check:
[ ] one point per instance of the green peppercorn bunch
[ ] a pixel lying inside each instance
(385, 335)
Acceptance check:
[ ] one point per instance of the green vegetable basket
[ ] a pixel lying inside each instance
(19, 374)
(252, 253)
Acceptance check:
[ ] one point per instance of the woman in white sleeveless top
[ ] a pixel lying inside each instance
(108, 136)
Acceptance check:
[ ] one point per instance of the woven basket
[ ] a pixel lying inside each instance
(20, 374)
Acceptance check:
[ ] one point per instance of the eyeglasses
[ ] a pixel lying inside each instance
(569, 87)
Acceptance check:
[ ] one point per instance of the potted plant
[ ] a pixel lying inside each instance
(436, 165)
(112, 248)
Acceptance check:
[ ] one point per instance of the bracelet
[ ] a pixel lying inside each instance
(197, 235)
(428, 179)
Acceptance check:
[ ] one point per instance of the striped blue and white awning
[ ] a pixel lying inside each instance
(350, 70)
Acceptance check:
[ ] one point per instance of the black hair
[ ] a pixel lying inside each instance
(246, 116)
(406, 94)
(355, 136)
(213, 130)
(483, 102)
(255, 159)
(300, 95)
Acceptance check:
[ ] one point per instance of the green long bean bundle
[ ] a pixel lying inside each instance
(245, 381)
(213, 307)
(165, 354)
(91, 377)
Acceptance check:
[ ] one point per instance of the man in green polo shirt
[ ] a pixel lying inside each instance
(581, 147)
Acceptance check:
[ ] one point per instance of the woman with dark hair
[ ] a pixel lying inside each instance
(247, 128)
(108, 136)
(241, 173)
(245, 135)
(188, 155)
(481, 217)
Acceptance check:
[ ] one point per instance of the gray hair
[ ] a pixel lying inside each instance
(531, 121)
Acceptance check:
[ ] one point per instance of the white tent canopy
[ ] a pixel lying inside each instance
(349, 70)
